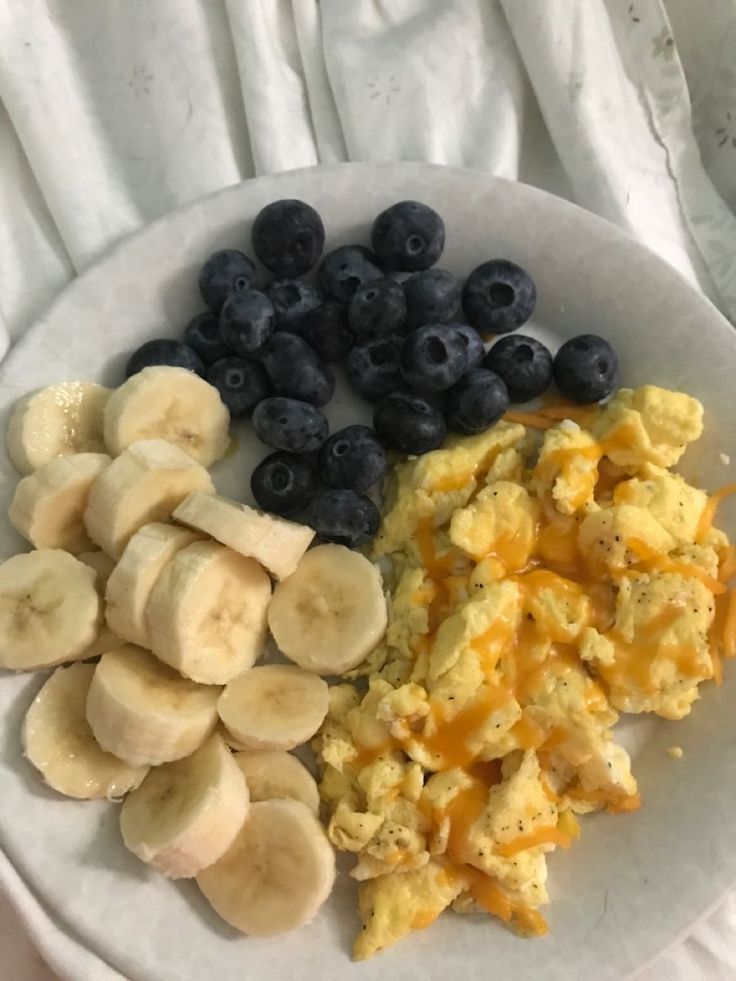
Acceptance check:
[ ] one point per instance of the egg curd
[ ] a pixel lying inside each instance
(536, 591)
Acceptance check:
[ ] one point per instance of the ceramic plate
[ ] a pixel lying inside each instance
(634, 882)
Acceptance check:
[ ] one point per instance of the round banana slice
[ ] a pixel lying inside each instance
(49, 610)
(275, 706)
(271, 774)
(185, 815)
(169, 403)
(329, 614)
(48, 506)
(207, 613)
(276, 874)
(144, 484)
(129, 587)
(56, 421)
(145, 712)
(59, 743)
(276, 543)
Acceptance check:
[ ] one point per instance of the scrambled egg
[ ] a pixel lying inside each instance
(537, 589)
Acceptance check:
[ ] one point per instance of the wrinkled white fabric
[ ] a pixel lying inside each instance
(112, 112)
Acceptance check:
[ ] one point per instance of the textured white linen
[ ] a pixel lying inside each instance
(112, 112)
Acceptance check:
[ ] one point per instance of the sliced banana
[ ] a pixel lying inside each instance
(172, 404)
(144, 484)
(129, 587)
(276, 874)
(56, 421)
(276, 543)
(186, 814)
(207, 613)
(275, 706)
(271, 774)
(102, 564)
(49, 609)
(59, 743)
(49, 504)
(144, 712)
(330, 613)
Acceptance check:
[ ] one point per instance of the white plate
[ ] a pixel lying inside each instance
(634, 881)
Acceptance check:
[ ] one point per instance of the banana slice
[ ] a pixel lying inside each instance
(207, 613)
(48, 506)
(271, 774)
(276, 543)
(49, 610)
(59, 743)
(185, 815)
(101, 563)
(276, 706)
(129, 587)
(56, 421)
(330, 613)
(145, 712)
(144, 484)
(276, 874)
(172, 404)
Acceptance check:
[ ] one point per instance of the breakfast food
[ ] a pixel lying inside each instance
(50, 610)
(144, 712)
(331, 612)
(275, 706)
(171, 403)
(486, 600)
(144, 484)
(130, 582)
(207, 613)
(49, 505)
(185, 815)
(275, 543)
(58, 741)
(56, 421)
(538, 589)
(276, 874)
(275, 775)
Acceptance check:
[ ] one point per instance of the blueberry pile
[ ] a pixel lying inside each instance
(409, 334)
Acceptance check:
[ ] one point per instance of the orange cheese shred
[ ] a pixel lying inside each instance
(549, 835)
(709, 511)
(729, 627)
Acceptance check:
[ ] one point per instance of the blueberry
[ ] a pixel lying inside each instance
(585, 368)
(433, 358)
(477, 401)
(352, 457)
(498, 297)
(326, 329)
(242, 384)
(345, 269)
(409, 423)
(203, 335)
(295, 369)
(163, 351)
(373, 367)
(524, 364)
(473, 344)
(291, 425)
(225, 272)
(344, 517)
(408, 236)
(288, 237)
(247, 321)
(378, 307)
(432, 297)
(283, 483)
(292, 300)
